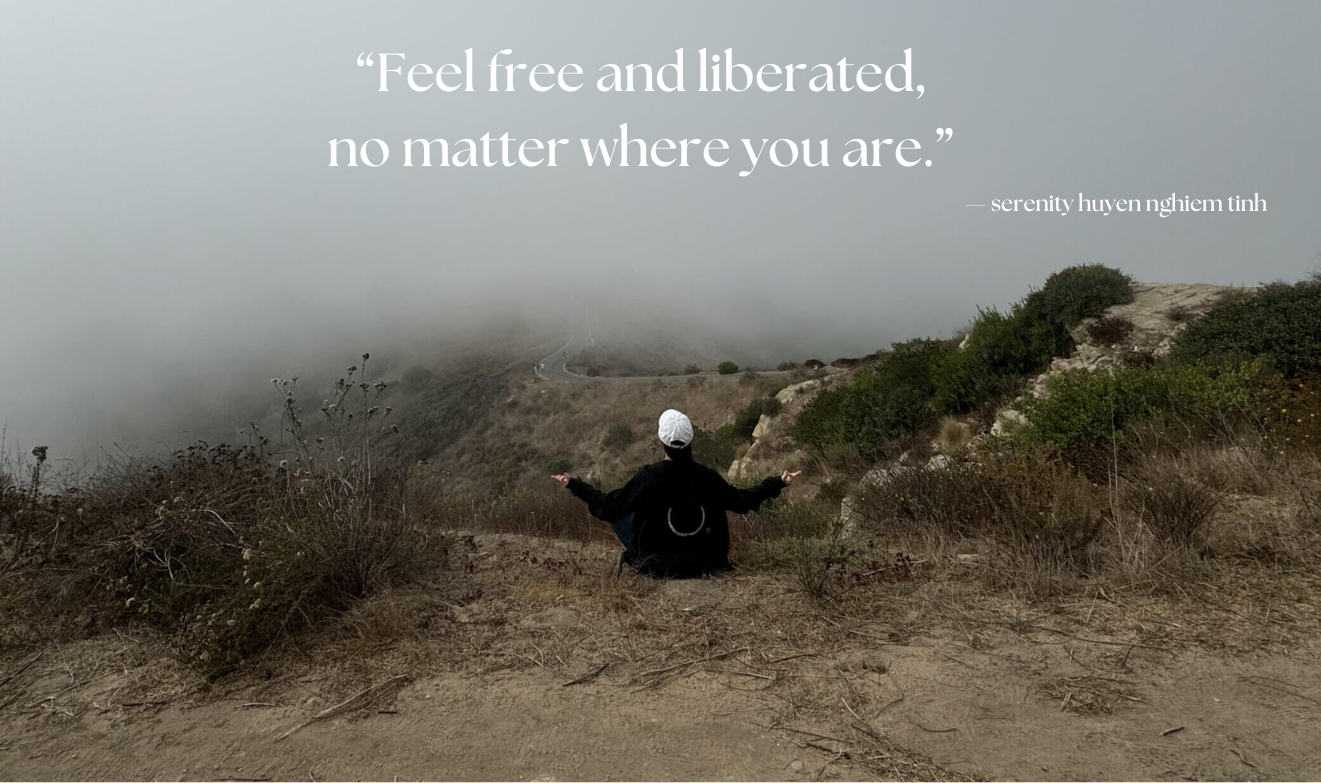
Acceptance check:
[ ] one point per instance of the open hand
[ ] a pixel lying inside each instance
(788, 478)
(563, 478)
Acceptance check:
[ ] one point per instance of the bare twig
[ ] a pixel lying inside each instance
(1242, 758)
(1098, 641)
(22, 668)
(1257, 681)
(690, 663)
(356, 702)
(784, 658)
(935, 731)
(592, 675)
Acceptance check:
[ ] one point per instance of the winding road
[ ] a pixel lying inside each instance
(554, 368)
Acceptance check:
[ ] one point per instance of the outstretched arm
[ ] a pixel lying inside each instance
(606, 506)
(741, 501)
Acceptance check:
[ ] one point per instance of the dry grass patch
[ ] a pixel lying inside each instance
(1088, 694)
(576, 421)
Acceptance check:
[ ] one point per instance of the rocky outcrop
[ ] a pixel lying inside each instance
(773, 449)
(1158, 312)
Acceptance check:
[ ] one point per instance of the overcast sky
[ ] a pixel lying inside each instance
(167, 208)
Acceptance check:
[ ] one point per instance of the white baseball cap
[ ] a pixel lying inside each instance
(676, 431)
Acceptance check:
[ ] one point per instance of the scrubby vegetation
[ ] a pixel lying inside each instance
(727, 368)
(619, 436)
(1281, 323)
(746, 420)
(1096, 408)
(887, 400)
(1109, 330)
(438, 411)
(902, 391)
(1002, 350)
(715, 448)
(225, 549)
(1037, 507)
(1121, 473)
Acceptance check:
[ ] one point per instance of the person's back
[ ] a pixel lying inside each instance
(675, 509)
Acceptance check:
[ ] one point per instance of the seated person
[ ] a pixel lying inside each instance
(671, 515)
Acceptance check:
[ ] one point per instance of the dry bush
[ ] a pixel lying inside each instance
(1035, 517)
(948, 499)
(1045, 508)
(553, 514)
(567, 420)
(1109, 330)
(230, 549)
(1240, 466)
(953, 437)
(819, 565)
(1178, 508)
(1180, 314)
(1029, 501)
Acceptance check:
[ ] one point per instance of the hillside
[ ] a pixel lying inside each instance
(538, 422)
(1118, 580)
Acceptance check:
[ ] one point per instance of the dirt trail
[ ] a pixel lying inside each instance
(987, 718)
(486, 697)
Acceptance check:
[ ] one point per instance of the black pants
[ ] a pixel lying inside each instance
(624, 529)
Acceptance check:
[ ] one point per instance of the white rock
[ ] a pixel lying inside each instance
(940, 462)
(1008, 422)
(788, 393)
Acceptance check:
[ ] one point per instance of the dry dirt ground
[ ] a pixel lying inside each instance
(495, 672)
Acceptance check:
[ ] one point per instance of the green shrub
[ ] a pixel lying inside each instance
(618, 437)
(1078, 292)
(558, 465)
(887, 400)
(745, 421)
(1082, 408)
(1281, 324)
(900, 392)
(714, 448)
(1003, 349)
(727, 368)
(691, 369)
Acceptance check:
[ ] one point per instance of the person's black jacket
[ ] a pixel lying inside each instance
(679, 523)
